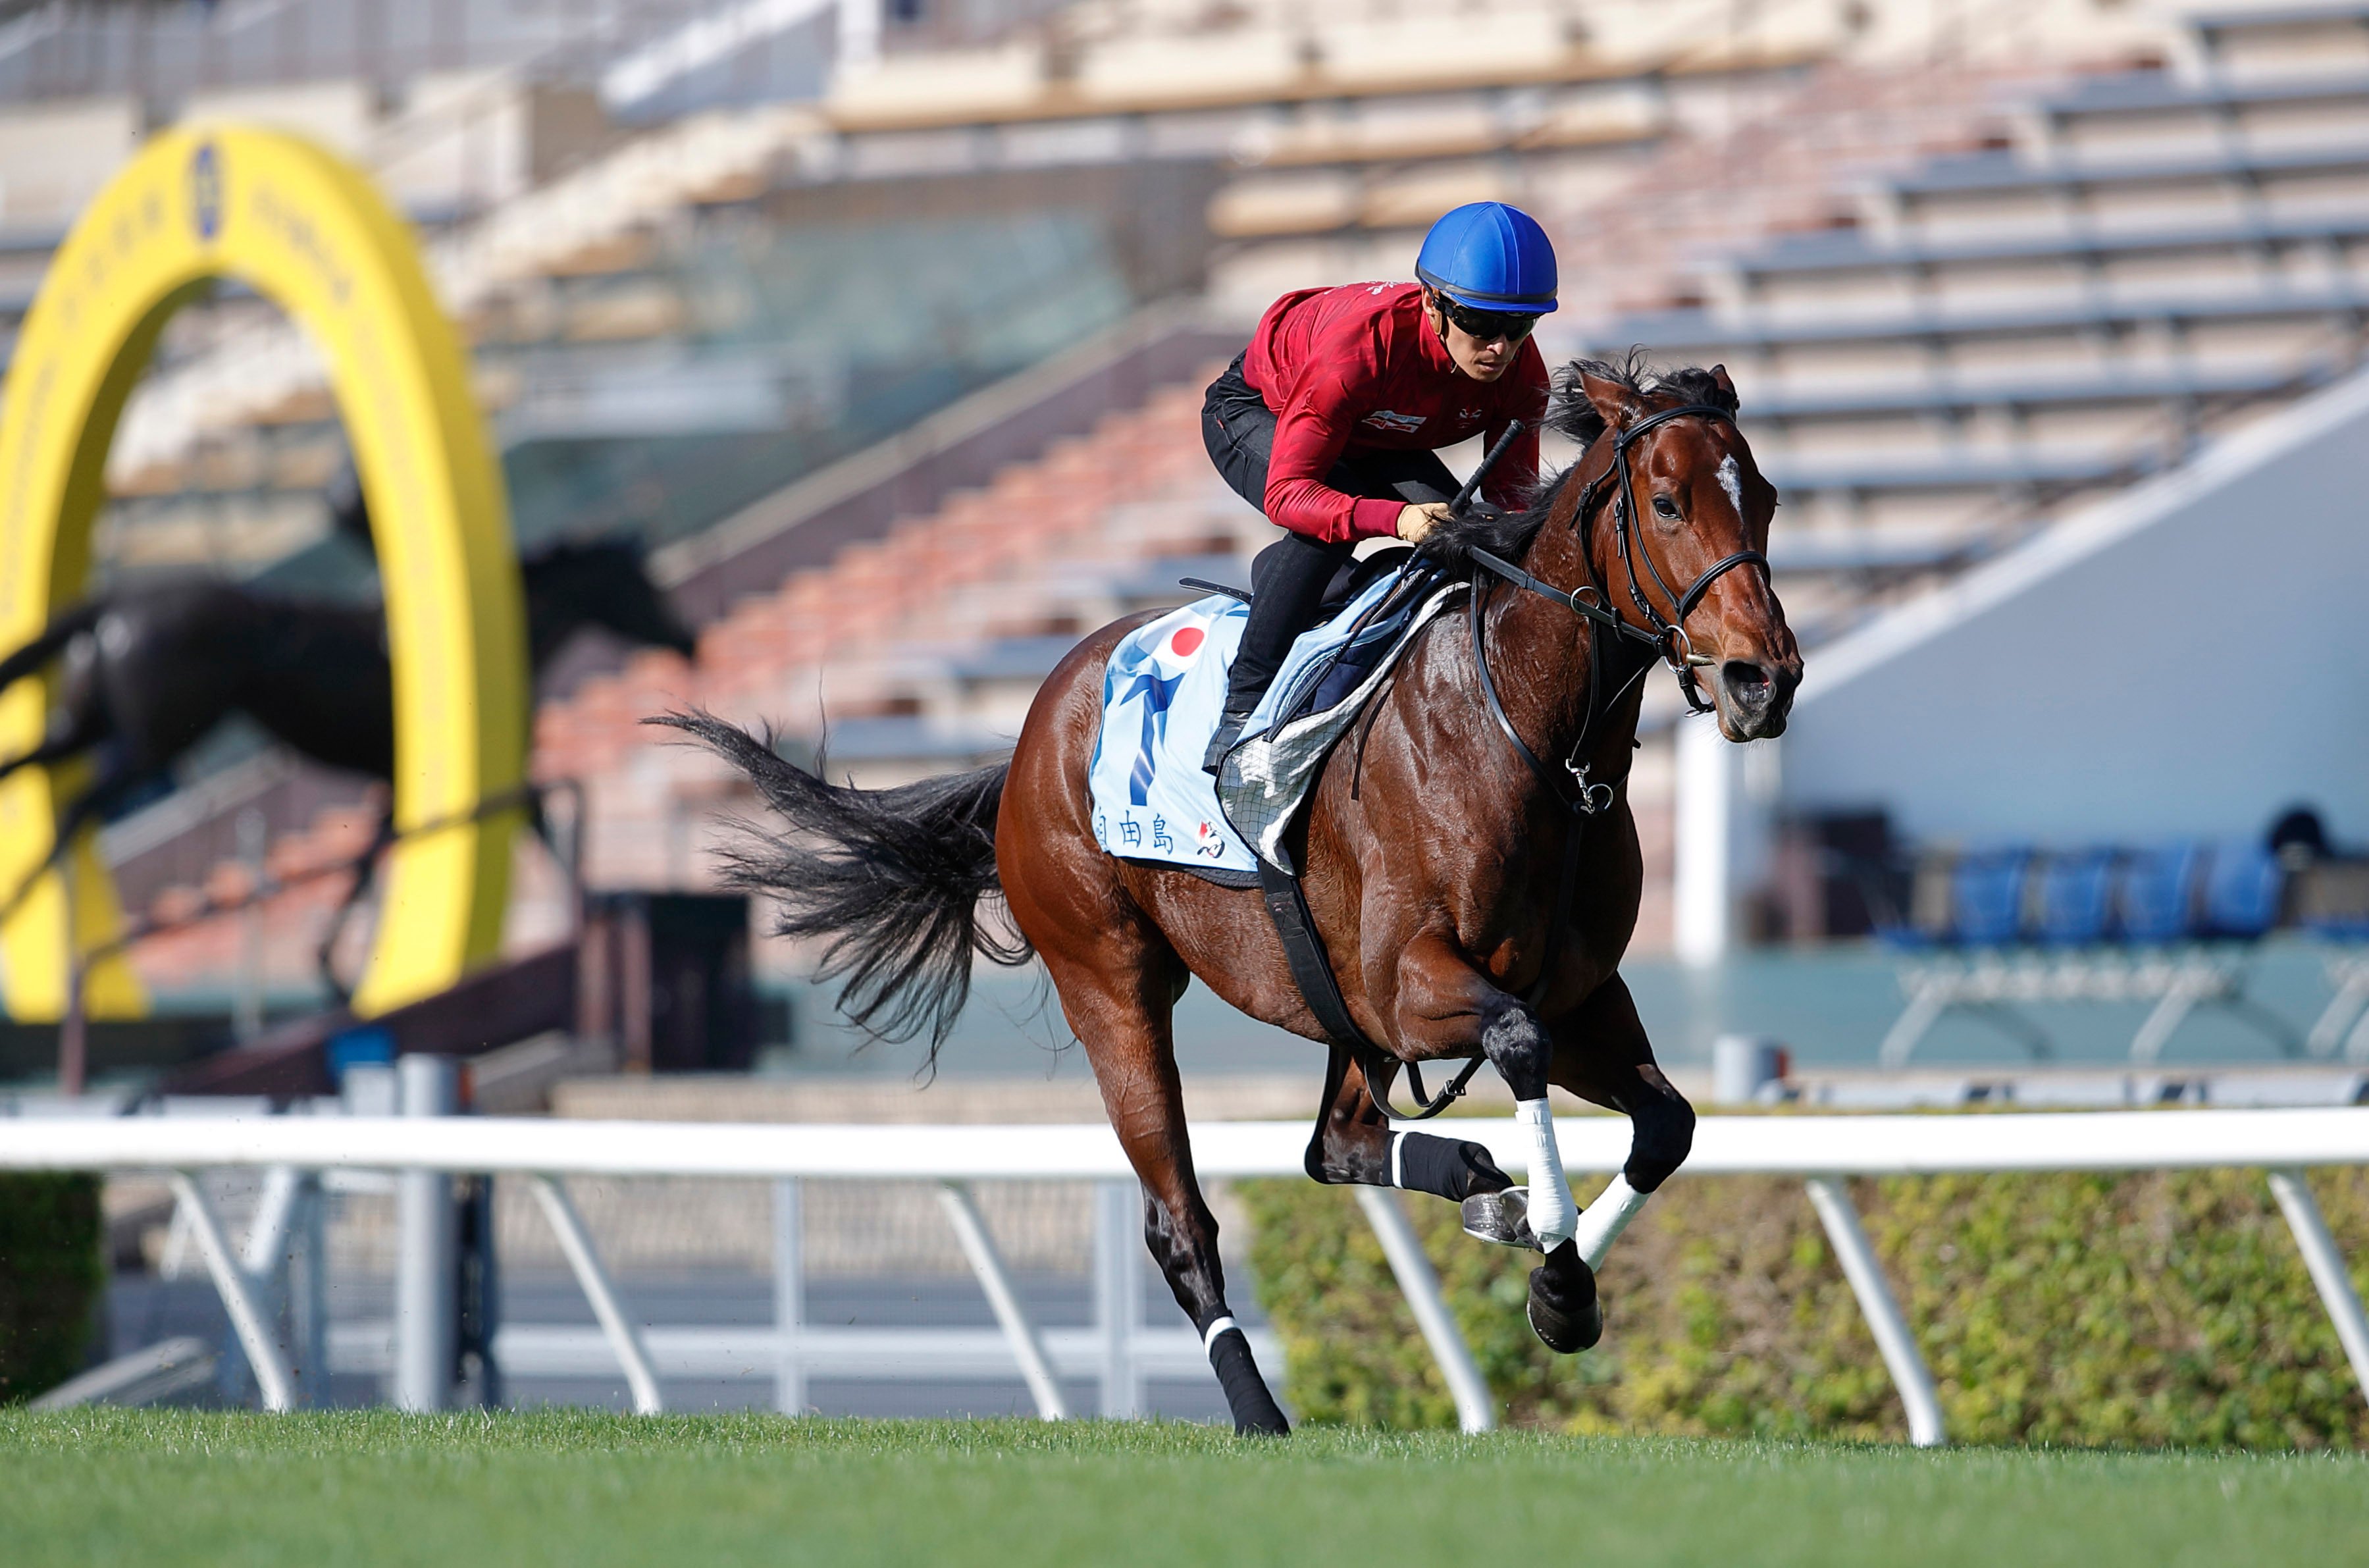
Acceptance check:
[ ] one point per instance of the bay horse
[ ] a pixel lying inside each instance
(146, 672)
(1474, 901)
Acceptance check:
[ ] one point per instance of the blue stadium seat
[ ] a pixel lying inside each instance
(2075, 897)
(1894, 911)
(2158, 901)
(1987, 896)
(2242, 891)
(1900, 933)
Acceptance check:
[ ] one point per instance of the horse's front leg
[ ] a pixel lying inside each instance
(1601, 1054)
(1448, 1006)
(1355, 1143)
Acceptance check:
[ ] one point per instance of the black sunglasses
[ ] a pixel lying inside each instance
(1487, 326)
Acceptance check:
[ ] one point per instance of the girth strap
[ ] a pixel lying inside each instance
(1303, 949)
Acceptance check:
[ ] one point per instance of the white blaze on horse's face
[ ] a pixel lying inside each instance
(1730, 479)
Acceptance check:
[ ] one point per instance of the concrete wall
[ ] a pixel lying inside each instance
(2185, 658)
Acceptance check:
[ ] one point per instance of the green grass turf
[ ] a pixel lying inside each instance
(584, 1489)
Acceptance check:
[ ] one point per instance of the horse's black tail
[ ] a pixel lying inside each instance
(63, 629)
(889, 880)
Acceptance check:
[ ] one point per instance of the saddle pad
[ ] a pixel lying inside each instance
(1162, 694)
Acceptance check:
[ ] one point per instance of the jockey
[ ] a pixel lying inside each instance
(1330, 421)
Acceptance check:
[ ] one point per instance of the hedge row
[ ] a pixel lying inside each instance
(52, 1275)
(2118, 1311)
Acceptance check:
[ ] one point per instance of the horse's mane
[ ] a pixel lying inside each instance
(1507, 535)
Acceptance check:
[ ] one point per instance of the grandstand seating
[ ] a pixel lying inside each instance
(555, 282)
(1418, 108)
(2140, 260)
(2165, 924)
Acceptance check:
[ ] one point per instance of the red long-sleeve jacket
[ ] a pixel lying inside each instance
(1359, 366)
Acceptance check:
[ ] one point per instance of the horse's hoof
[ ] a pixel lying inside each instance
(1270, 1424)
(1255, 1411)
(1502, 1216)
(1564, 1311)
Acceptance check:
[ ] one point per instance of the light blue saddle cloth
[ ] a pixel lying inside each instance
(1162, 694)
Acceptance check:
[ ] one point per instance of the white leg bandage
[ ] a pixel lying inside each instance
(1219, 1326)
(1398, 1159)
(1553, 1213)
(1606, 1218)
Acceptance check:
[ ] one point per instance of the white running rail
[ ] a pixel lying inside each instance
(1817, 1149)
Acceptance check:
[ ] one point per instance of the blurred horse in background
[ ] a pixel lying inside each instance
(145, 673)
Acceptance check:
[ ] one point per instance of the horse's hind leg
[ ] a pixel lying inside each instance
(1355, 1144)
(1121, 1014)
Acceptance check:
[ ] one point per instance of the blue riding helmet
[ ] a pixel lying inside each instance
(1487, 256)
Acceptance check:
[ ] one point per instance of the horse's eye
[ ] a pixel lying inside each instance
(1666, 507)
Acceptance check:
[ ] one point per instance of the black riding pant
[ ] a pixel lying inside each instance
(1289, 579)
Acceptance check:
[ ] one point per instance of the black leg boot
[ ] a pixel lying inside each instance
(1228, 731)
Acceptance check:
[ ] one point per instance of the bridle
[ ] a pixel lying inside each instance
(1666, 634)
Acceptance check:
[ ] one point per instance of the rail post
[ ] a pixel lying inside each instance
(1475, 1412)
(789, 1296)
(2326, 1265)
(247, 1316)
(308, 1292)
(995, 1280)
(266, 1257)
(1119, 1293)
(1892, 1338)
(576, 1242)
(427, 1262)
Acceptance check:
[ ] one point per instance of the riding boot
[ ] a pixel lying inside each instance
(1228, 731)
(1287, 583)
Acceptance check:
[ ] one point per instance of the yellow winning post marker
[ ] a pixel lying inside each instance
(308, 231)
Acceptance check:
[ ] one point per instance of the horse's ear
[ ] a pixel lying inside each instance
(1615, 402)
(1723, 389)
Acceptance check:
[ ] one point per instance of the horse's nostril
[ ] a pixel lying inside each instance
(1746, 683)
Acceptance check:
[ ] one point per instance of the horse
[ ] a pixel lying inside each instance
(148, 671)
(1473, 899)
